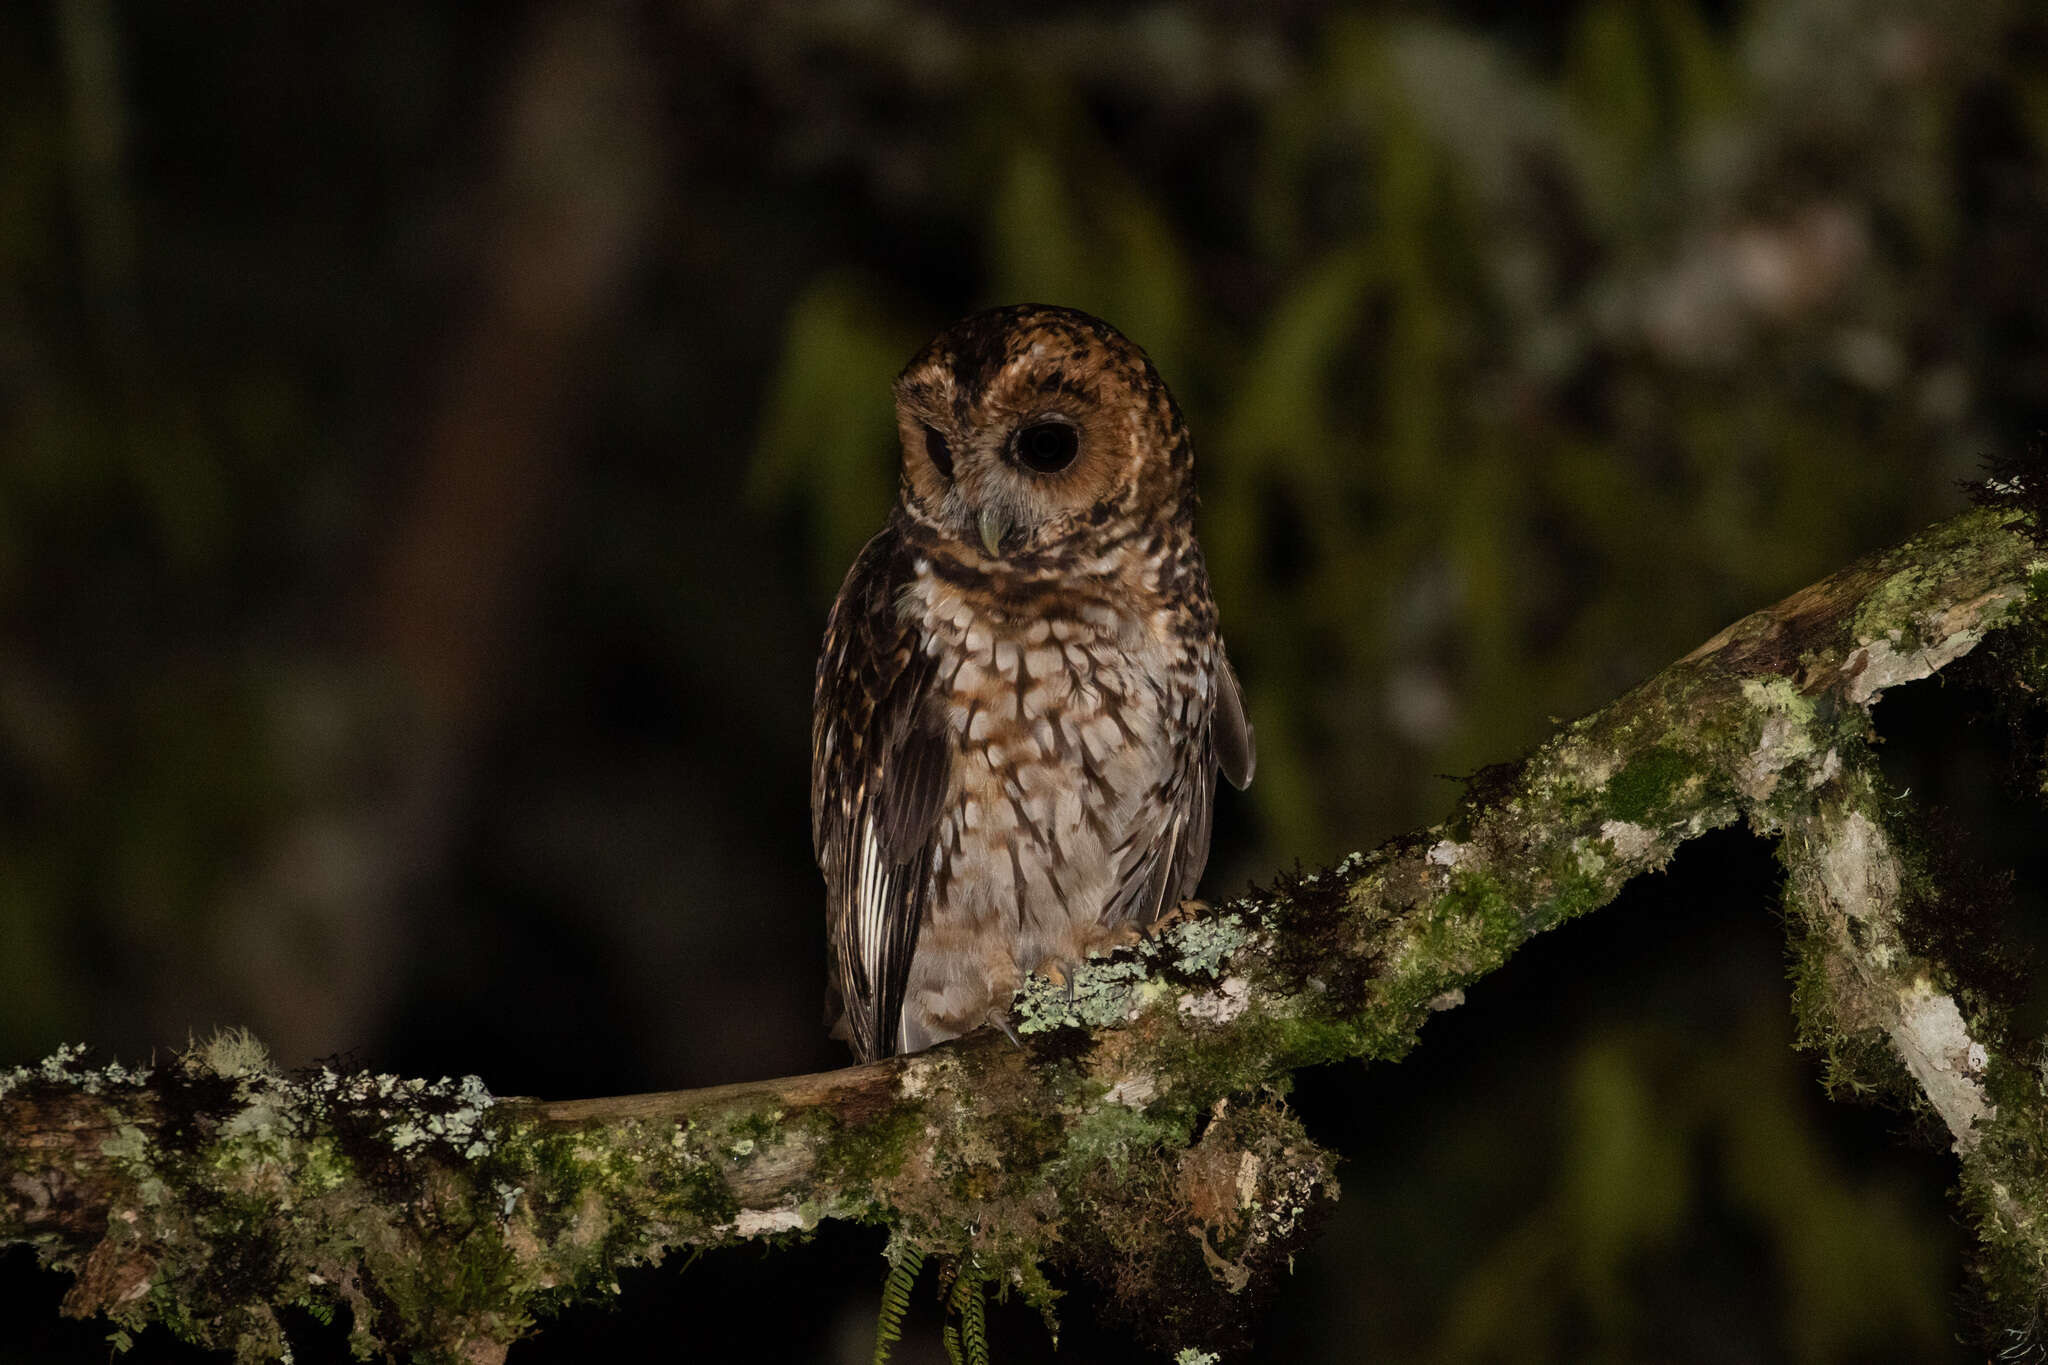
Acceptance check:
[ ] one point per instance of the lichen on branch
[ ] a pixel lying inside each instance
(1140, 1135)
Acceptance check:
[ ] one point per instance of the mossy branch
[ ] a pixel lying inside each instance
(1138, 1136)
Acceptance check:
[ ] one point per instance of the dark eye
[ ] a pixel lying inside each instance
(941, 455)
(1048, 447)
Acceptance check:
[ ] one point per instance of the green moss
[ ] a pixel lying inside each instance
(739, 1136)
(864, 1153)
(1315, 1040)
(1108, 1136)
(1476, 921)
(1575, 881)
(1645, 787)
(2011, 1257)
(700, 1189)
(1477, 897)
(1887, 610)
(1858, 1064)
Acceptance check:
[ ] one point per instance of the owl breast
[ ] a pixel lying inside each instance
(1067, 723)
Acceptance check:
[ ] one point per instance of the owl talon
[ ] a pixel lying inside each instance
(1001, 1019)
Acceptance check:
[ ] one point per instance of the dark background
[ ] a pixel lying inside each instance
(431, 434)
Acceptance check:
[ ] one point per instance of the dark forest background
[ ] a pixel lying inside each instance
(431, 434)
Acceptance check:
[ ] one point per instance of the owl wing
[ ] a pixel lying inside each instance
(1162, 859)
(1230, 732)
(881, 764)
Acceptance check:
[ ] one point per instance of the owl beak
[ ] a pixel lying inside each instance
(994, 526)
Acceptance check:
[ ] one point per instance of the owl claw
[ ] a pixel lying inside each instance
(1001, 1019)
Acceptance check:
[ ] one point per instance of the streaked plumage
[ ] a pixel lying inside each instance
(1022, 701)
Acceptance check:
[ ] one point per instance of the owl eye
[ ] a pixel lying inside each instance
(1048, 447)
(940, 454)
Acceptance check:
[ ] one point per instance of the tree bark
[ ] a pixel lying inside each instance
(1137, 1136)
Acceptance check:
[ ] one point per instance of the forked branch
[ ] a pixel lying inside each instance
(1137, 1137)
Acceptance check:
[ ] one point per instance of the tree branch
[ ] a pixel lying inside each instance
(1137, 1137)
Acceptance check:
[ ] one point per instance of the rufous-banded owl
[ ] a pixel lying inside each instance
(1022, 701)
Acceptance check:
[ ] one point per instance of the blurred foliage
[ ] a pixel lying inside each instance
(1486, 355)
(1523, 347)
(1618, 1157)
(1656, 1136)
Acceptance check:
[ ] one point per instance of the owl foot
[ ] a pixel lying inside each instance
(1126, 935)
(1180, 914)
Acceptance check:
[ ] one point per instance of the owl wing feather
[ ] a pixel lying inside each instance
(1231, 732)
(1161, 861)
(881, 765)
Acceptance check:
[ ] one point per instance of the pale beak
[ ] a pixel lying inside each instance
(994, 526)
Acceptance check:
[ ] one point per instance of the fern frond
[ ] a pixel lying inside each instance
(904, 1263)
(968, 1345)
(974, 1328)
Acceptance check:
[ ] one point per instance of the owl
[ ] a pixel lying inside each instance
(1022, 701)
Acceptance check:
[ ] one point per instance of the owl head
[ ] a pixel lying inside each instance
(1029, 428)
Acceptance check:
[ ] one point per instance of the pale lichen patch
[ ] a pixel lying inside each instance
(62, 1067)
(1097, 995)
(1947, 1062)
(1883, 664)
(1784, 735)
(1593, 765)
(1449, 853)
(924, 1073)
(1944, 636)
(1248, 1164)
(1629, 841)
(1219, 1006)
(235, 1053)
(1203, 944)
(1133, 1092)
(1860, 875)
(762, 1222)
(1101, 993)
